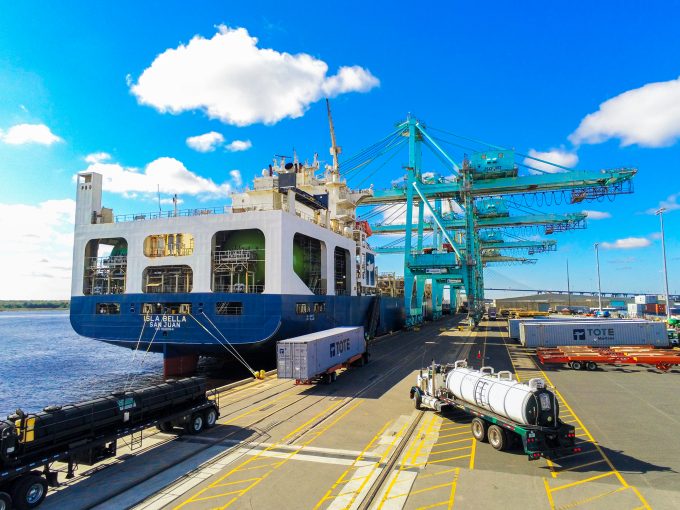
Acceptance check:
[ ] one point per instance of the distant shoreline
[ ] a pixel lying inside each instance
(32, 305)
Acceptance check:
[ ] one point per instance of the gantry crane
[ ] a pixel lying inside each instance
(481, 187)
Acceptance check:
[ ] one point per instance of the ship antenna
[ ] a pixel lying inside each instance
(335, 150)
(159, 198)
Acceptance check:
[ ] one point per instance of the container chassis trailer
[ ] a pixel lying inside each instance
(588, 358)
(502, 433)
(88, 432)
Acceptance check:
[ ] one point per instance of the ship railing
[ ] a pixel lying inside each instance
(238, 256)
(176, 252)
(116, 261)
(155, 215)
(152, 288)
(239, 288)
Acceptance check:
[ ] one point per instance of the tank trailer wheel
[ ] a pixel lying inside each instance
(479, 429)
(497, 438)
(591, 365)
(417, 400)
(165, 426)
(195, 425)
(29, 491)
(5, 501)
(576, 365)
(210, 418)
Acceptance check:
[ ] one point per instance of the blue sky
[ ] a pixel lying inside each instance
(79, 80)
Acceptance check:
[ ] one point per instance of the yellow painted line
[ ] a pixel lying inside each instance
(552, 468)
(241, 467)
(588, 434)
(551, 502)
(595, 498)
(292, 454)
(405, 458)
(455, 434)
(234, 483)
(457, 427)
(257, 467)
(456, 441)
(427, 489)
(579, 466)
(454, 484)
(430, 475)
(472, 454)
(353, 465)
(580, 482)
(442, 460)
(450, 450)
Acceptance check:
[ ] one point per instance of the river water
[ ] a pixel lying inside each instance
(44, 362)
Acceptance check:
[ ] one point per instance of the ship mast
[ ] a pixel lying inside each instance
(335, 150)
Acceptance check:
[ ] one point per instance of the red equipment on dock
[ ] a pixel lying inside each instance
(578, 357)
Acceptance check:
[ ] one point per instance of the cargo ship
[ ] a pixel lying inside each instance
(286, 258)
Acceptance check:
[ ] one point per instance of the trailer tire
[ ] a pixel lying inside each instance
(479, 429)
(497, 438)
(195, 425)
(28, 491)
(417, 401)
(591, 365)
(5, 501)
(165, 426)
(576, 365)
(210, 418)
(327, 378)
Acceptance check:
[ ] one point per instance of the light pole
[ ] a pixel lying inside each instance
(659, 213)
(599, 288)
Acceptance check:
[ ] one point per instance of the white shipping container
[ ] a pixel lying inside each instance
(305, 357)
(636, 310)
(513, 324)
(645, 299)
(594, 333)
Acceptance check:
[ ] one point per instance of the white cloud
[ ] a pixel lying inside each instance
(627, 243)
(29, 133)
(97, 157)
(168, 173)
(207, 142)
(648, 116)
(231, 79)
(396, 214)
(236, 177)
(559, 156)
(239, 145)
(597, 215)
(169, 201)
(670, 204)
(38, 265)
(655, 235)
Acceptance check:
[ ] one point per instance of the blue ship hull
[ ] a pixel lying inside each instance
(265, 319)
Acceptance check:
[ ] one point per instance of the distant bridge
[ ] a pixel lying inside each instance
(584, 293)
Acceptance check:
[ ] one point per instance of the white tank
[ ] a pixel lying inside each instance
(528, 404)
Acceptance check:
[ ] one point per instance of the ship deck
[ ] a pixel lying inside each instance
(359, 443)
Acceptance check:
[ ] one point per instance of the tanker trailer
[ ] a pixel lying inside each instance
(504, 411)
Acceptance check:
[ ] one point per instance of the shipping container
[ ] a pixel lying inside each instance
(645, 299)
(306, 357)
(619, 304)
(593, 333)
(513, 324)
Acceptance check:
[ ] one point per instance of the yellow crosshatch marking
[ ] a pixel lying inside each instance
(525, 364)
(242, 467)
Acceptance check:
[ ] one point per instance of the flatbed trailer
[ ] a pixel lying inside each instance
(579, 358)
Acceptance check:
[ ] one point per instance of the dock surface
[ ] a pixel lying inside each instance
(359, 443)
